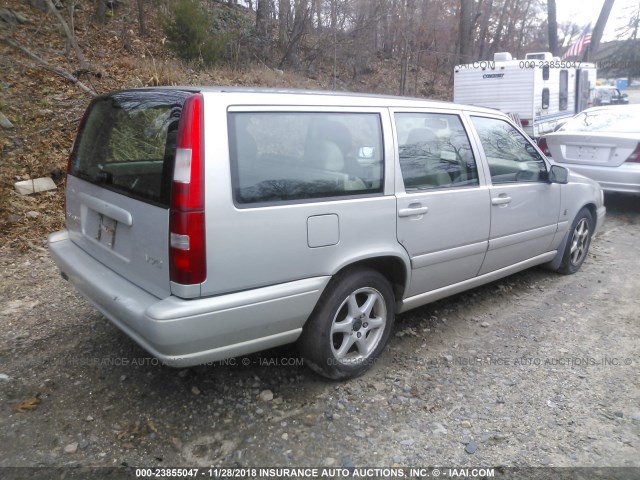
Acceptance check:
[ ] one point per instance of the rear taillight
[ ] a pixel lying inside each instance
(635, 155)
(187, 261)
(524, 122)
(542, 144)
(70, 158)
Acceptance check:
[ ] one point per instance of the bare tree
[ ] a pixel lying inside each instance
(141, 21)
(464, 30)
(100, 11)
(498, 36)
(284, 11)
(484, 27)
(263, 24)
(57, 70)
(263, 15)
(84, 65)
(301, 16)
(526, 21)
(598, 30)
(317, 11)
(625, 58)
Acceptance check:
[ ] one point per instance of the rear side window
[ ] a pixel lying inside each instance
(127, 143)
(290, 156)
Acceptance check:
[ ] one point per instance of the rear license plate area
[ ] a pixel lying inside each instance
(586, 153)
(106, 234)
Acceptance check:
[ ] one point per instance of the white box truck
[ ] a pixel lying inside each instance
(541, 91)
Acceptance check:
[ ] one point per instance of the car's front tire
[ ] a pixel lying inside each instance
(578, 243)
(350, 325)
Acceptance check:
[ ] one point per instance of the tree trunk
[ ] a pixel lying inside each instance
(483, 30)
(387, 41)
(334, 14)
(124, 35)
(598, 30)
(464, 31)
(142, 28)
(497, 37)
(523, 28)
(553, 27)
(101, 9)
(57, 70)
(514, 15)
(284, 8)
(84, 65)
(404, 67)
(262, 26)
(301, 16)
(317, 7)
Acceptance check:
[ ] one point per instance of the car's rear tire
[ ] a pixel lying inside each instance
(578, 243)
(350, 325)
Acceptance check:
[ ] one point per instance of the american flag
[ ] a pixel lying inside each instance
(579, 45)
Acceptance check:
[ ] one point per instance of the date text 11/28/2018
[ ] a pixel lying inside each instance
(314, 472)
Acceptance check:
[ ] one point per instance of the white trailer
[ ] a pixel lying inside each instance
(540, 91)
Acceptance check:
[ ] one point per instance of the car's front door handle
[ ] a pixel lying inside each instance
(411, 211)
(501, 200)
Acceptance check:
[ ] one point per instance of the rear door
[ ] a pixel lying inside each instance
(443, 209)
(525, 207)
(119, 181)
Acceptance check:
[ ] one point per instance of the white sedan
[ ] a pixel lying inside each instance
(602, 143)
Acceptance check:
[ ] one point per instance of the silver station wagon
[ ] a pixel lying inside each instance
(208, 223)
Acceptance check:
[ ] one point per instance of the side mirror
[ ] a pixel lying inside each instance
(558, 174)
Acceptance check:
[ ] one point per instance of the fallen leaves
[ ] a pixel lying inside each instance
(28, 404)
(132, 434)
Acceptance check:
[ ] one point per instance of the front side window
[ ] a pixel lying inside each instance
(434, 152)
(286, 156)
(511, 157)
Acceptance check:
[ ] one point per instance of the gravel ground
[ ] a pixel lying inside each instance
(537, 369)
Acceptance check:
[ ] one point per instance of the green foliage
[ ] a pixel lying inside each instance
(189, 33)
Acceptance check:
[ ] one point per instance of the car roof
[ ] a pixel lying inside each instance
(321, 97)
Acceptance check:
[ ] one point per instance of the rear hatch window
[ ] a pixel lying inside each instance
(127, 143)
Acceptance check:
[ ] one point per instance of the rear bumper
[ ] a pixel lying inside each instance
(190, 332)
(625, 178)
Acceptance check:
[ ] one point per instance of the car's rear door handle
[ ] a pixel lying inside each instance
(418, 209)
(501, 200)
